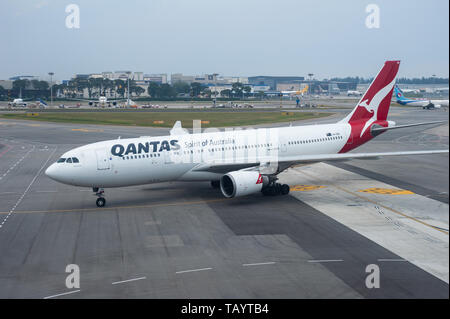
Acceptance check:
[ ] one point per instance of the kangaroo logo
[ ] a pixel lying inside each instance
(370, 108)
(374, 103)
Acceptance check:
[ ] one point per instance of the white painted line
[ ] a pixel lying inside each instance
(392, 260)
(325, 260)
(46, 191)
(123, 281)
(192, 270)
(63, 294)
(29, 186)
(259, 264)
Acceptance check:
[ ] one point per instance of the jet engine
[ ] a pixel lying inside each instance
(241, 183)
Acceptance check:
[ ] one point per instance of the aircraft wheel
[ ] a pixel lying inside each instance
(285, 189)
(273, 190)
(100, 202)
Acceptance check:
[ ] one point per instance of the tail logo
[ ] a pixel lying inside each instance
(369, 108)
(373, 105)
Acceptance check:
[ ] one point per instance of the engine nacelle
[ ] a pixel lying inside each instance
(241, 183)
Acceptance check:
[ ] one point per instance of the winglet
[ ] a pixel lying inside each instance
(177, 129)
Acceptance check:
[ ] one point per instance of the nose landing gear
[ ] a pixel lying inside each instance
(101, 201)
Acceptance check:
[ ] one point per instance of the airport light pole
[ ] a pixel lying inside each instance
(128, 89)
(215, 88)
(51, 87)
(310, 82)
(310, 88)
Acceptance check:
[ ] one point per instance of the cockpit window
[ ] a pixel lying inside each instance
(75, 160)
(61, 160)
(69, 160)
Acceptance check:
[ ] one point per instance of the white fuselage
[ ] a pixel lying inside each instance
(17, 102)
(145, 160)
(423, 103)
(440, 102)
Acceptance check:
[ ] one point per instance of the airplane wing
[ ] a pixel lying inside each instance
(286, 162)
(381, 128)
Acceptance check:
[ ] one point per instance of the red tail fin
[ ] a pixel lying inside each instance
(375, 102)
(373, 107)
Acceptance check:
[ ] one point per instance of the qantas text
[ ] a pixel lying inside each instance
(139, 148)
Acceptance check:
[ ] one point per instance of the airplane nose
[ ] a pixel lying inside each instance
(51, 171)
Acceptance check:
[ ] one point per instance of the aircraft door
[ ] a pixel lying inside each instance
(102, 159)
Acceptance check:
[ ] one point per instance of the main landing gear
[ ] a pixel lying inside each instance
(101, 201)
(275, 189)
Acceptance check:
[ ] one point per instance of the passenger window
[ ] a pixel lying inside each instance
(61, 160)
(75, 160)
(69, 160)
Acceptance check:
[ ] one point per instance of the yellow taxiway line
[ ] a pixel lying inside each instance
(381, 205)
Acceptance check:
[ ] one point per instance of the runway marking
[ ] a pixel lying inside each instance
(392, 210)
(118, 207)
(381, 205)
(16, 163)
(63, 294)
(325, 261)
(259, 264)
(386, 191)
(128, 280)
(26, 190)
(192, 270)
(392, 259)
(305, 188)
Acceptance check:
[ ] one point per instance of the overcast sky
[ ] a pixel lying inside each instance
(230, 37)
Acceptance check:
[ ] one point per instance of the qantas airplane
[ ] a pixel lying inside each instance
(239, 162)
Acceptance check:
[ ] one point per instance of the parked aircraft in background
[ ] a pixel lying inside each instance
(41, 104)
(353, 93)
(426, 104)
(104, 102)
(298, 92)
(17, 102)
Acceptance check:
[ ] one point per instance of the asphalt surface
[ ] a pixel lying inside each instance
(184, 240)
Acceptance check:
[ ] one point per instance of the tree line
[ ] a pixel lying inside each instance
(96, 87)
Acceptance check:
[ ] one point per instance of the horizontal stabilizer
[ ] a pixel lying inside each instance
(381, 128)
